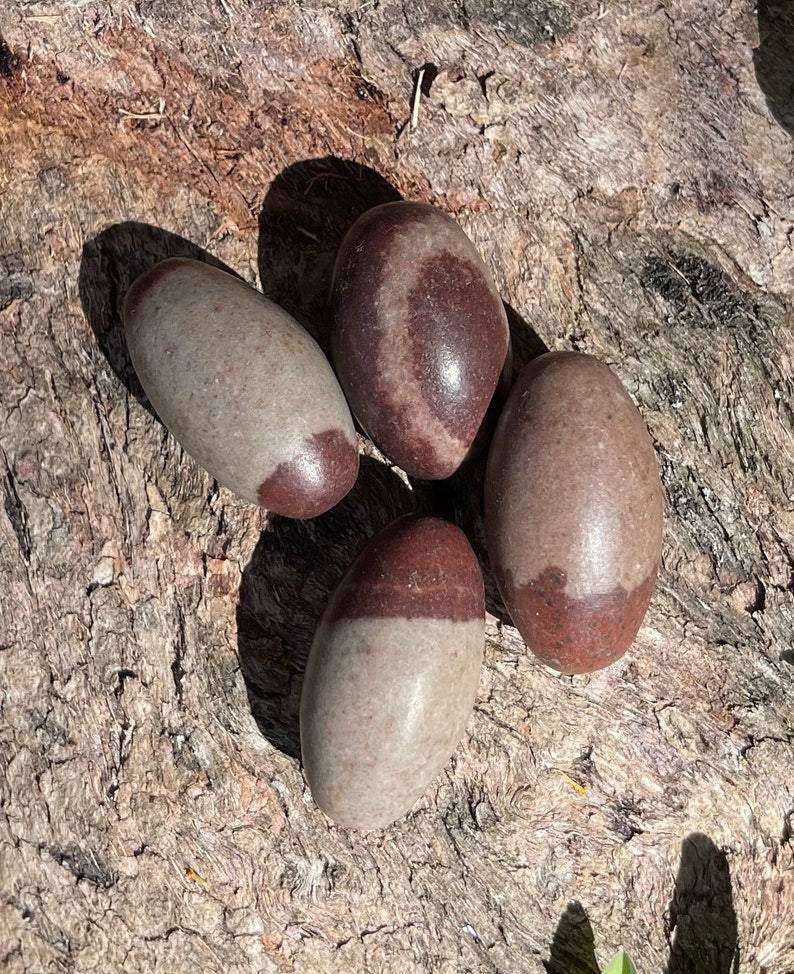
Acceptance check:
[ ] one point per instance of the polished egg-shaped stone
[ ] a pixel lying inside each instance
(242, 386)
(419, 335)
(573, 512)
(393, 671)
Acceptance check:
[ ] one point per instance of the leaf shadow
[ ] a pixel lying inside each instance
(702, 926)
(573, 946)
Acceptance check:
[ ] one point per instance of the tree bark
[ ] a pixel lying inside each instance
(626, 171)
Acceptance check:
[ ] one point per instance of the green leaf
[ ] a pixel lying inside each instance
(621, 963)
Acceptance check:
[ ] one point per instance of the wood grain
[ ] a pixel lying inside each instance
(625, 171)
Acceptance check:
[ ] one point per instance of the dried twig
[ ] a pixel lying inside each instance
(417, 98)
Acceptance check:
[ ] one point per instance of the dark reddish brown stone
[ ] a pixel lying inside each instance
(315, 480)
(576, 635)
(419, 335)
(416, 567)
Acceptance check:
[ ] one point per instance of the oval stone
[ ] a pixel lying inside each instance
(242, 386)
(393, 671)
(573, 512)
(419, 335)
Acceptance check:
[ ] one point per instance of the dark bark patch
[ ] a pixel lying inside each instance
(15, 282)
(697, 291)
(625, 818)
(9, 62)
(84, 864)
(525, 22)
(17, 515)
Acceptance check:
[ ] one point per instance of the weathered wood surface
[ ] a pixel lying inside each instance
(627, 171)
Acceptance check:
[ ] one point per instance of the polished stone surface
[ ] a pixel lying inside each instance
(393, 672)
(573, 512)
(419, 335)
(242, 386)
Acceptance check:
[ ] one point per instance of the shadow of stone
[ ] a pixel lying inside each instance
(702, 921)
(308, 209)
(774, 59)
(573, 947)
(525, 341)
(294, 568)
(463, 505)
(464, 490)
(110, 263)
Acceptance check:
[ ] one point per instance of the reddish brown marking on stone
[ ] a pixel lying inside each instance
(360, 268)
(576, 635)
(415, 568)
(358, 272)
(314, 481)
(458, 341)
